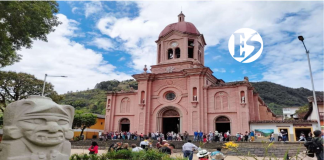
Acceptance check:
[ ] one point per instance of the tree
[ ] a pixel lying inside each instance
(15, 86)
(301, 112)
(107, 85)
(24, 21)
(83, 120)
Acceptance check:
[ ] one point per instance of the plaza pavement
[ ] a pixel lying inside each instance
(80, 151)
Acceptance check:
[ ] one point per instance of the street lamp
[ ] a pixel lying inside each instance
(301, 38)
(45, 81)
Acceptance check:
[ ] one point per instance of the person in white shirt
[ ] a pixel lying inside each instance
(135, 148)
(144, 144)
(211, 136)
(174, 136)
(188, 149)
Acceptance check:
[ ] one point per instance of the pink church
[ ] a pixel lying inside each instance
(181, 94)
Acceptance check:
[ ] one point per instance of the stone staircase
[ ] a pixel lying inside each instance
(278, 149)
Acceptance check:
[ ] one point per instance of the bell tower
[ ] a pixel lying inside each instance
(180, 42)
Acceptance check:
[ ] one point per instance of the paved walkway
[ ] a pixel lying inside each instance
(79, 151)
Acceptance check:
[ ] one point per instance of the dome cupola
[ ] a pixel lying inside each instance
(181, 26)
(180, 42)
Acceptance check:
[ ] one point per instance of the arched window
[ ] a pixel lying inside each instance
(170, 53)
(242, 97)
(177, 52)
(142, 97)
(194, 92)
(221, 101)
(125, 105)
(159, 53)
(191, 45)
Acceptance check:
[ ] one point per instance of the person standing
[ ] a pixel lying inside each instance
(279, 136)
(228, 135)
(93, 148)
(310, 136)
(302, 137)
(185, 136)
(252, 136)
(246, 136)
(196, 136)
(272, 137)
(141, 136)
(316, 145)
(211, 136)
(128, 135)
(201, 134)
(284, 135)
(188, 149)
(221, 138)
(216, 136)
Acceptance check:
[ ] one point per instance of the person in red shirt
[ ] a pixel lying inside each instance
(93, 148)
(204, 138)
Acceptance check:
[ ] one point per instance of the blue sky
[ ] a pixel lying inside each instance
(101, 41)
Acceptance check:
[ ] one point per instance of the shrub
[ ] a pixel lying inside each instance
(151, 154)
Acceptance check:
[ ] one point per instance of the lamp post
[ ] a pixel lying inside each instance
(301, 38)
(45, 82)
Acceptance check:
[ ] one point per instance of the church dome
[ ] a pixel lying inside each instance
(181, 26)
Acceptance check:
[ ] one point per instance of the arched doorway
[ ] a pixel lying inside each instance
(124, 124)
(223, 124)
(170, 121)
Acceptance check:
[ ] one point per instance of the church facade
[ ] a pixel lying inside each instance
(181, 94)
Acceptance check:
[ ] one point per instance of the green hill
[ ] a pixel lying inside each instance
(274, 95)
(277, 96)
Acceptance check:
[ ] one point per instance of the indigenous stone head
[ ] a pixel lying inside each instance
(38, 127)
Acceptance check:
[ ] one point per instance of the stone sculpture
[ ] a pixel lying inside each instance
(37, 128)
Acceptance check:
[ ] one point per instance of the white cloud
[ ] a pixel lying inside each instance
(218, 57)
(92, 8)
(276, 22)
(62, 56)
(222, 70)
(74, 9)
(103, 43)
(121, 59)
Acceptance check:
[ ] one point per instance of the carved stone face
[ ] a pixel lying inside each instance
(44, 130)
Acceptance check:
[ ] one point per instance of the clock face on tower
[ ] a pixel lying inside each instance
(174, 44)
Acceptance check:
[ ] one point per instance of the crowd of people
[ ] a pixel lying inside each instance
(198, 136)
(189, 148)
(223, 136)
(126, 135)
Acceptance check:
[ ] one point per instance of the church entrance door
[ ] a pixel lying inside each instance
(223, 124)
(124, 124)
(170, 121)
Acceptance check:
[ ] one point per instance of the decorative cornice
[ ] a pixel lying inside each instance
(114, 93)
